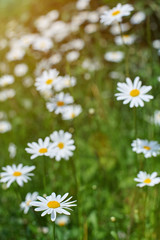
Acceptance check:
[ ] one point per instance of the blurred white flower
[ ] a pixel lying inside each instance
(148, 148)
(125, 39)
(156, 118)
(58, 102)
(15, 54)
(65, 82)
(72, 56)
(63, 145)
(115, 29)
(156, 44)
(70, 112)
(138, 17)
(116, 56)
(19, 174)
(116, 14)
(12, 149)
(5, 126)
(62, 220)
(43, 44)
(82, 4)
(146, 179)
(25, 206)
(90, 28)
(5, 94)
(20, 69)
(47, 80)
(6, 80)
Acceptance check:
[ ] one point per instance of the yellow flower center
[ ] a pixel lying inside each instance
(17, 174)
(67, 82)
(60, 104)
(49, 81)
(147, 180)
(62, 223)
(73, 115)
(115, 13)
(61, 145)
(53, 204)
(147, 148)
(134, 93)
(43, 150)
(28, 202)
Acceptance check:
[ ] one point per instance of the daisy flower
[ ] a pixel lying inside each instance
(53, 204)
(63, 145)
(62, 220)
(43, 44)
(58, 102)
(17, 173)
(125, 39)
(116, 14)
(133, 93)
(145, 179)
(25, 206)
(138, 17)
(41, 148)
(71, 112)
(6, 80)
(47, 80)
(148, 148)
(15, 54)
(116, 56)
(156, 118)
(65, 82)
(5, 126)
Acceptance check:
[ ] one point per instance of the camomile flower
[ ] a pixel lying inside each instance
(115, 29)
(145, 179)
(15, 54)
(5, 126)
(148, 148)
(5, 94)
(42, 44)
(19, 174)
(41, 148)
(65, 82)
(70, 112)
(116, 56)
(46, 80)
(133, 92)
(116, 14)
(12, 149)
(138, 17)
(20, 69)
(58, 102)
(6, 80)
(53, 204)
(62, 220)
(125, 39)
(156, 118)
(25, 206)
(72, 56)
(63, 145)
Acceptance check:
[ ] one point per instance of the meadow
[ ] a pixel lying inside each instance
(80, 114)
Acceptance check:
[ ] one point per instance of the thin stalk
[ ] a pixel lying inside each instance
(126, 51)
(44, 173)
(54, 231)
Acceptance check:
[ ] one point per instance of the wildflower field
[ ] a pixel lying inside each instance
(79, 120)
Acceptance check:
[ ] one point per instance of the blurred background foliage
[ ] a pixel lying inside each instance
(104, 160)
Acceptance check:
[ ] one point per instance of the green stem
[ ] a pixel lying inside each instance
(44, 173)
(126, 51)
(54, 231)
